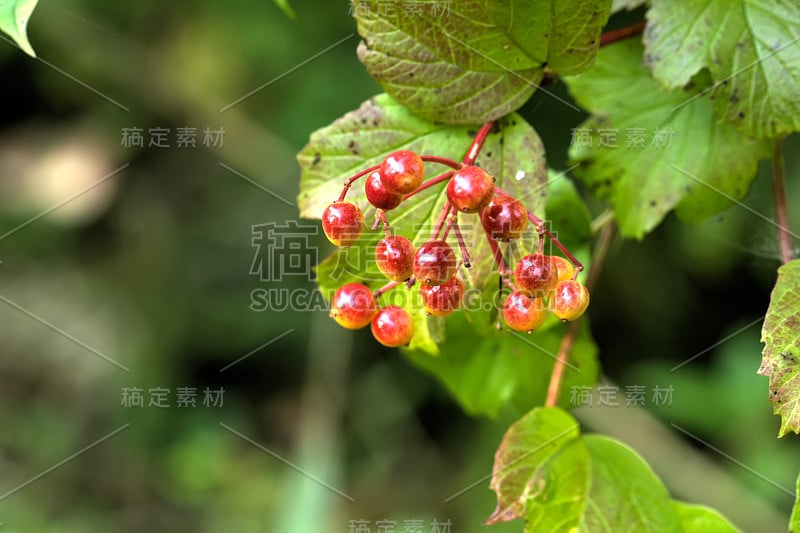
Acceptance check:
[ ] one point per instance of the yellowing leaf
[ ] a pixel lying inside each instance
(781, 355)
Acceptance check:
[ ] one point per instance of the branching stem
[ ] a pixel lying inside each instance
(350, 180)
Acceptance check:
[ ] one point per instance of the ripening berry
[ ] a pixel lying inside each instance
(393, 326)
(505, 218)
(535, 275)
(570, 299)
(402, 171)
(523, 313)
(434, 263)
(470, 189)
(342, 223)
(353, 306)
(378, 195)
(564, 268)
(444, 299)
(394, 256)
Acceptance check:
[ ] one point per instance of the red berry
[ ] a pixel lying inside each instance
(395, 257)
(523, 313)
(402, 171)
(535, 275)
(434, 263)
(342, 223)
(570, 300)
(378, 195)
(353, 306)
(392, 326)
(470, 189)
(564, 268)
(444, 299)
(505, 218)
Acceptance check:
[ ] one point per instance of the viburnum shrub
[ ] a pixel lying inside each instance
(457, 244)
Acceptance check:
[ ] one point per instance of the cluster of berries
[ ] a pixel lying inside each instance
(541, 282)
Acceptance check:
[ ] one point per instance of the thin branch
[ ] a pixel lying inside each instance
(446, 161)
(622, 33)
(781, 207)
(430, 183)
(350, 180)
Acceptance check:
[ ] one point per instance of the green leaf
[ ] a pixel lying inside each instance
(14, 16)
(625, 494)
(545, 472)
(286, 8)
(627, 5)
(522, 465)
(781, 356)
(646, 156)
(751, 47)
(488, 371)
(473, 61)
(701, 519)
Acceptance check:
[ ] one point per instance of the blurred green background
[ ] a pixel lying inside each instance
(151, 266)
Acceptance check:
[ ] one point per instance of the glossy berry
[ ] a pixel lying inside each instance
(505, 218)
(395, 257)
(564, 268)
(523, 313)
(434, 263)
(535, 275)
(402, 171)
(378, 195)
(353, 306)
(444, 299)
(570, 299)
(342, 223)
(470, 189)
(392, 326)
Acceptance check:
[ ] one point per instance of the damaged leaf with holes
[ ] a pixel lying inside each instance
(647, 150)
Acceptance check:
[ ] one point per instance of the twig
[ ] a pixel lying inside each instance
(622, 33)
(781, 208)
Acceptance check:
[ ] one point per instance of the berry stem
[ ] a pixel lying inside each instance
(565, 348)
(430, 183)
(349, 181)
(455, 165)
(781, 208)
(380, 216)
(502, 267)
(437, 229)
(477, 143)
(460, 238)
(542, 229)
(386, 288)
